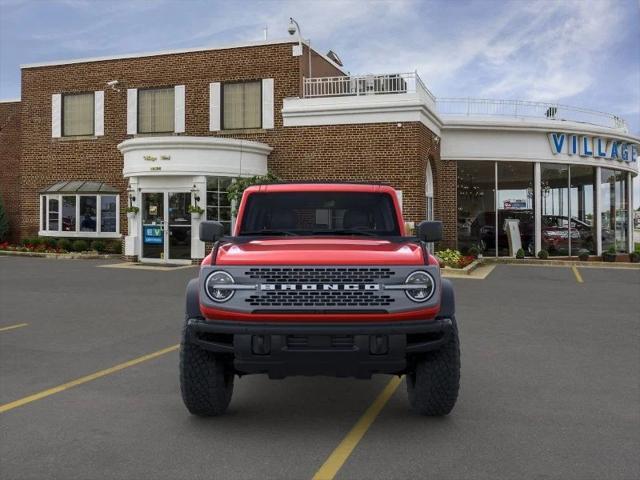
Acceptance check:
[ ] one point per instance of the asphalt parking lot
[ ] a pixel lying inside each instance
(550, 386)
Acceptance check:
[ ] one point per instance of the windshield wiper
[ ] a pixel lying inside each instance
(345, 231)
(269, 232)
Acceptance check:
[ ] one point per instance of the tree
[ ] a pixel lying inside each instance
(4, 222)
(240, 184)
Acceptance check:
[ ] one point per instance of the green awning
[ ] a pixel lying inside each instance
(80, 186)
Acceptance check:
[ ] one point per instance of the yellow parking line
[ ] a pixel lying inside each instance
(11, 327)
(577, 274)
(74, 383)
(334, 463)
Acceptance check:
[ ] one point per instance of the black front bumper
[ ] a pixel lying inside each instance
(343, 350)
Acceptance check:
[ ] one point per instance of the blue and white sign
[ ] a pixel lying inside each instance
(153, 234)
(597, 147)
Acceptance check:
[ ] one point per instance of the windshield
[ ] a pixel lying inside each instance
(320, 213)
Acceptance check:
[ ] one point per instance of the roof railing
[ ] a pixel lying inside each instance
(402, 83)
(371, 84)
(526, 109)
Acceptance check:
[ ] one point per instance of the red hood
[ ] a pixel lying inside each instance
(320, 251)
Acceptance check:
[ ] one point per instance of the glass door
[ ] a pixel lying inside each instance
(179, 244)
(153, 226)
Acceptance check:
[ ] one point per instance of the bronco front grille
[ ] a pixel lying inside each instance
(319, 298)
(299, 298)
(319, 274)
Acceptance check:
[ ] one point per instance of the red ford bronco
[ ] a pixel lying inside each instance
(319, 279)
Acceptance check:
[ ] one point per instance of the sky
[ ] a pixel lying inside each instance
(575, 52)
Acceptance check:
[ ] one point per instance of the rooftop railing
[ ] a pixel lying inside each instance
(526, 109)
(399, 83)
(356, 85)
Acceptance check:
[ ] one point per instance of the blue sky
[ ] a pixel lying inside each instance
(577, 52)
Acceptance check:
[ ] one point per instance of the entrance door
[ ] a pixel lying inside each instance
(166, 227)
(179, 244)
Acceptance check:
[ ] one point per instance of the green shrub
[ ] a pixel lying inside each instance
(634, 257)
(79, 245)
(520, 253)
(114, 246)
(235, 190)
(583, 254)
(98, 245)
(49, 242)
(543, 254)
(65, 244)
(474, 252)
(611, 249)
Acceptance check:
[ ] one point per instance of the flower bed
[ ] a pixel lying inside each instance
(454, 259)
(63, 245)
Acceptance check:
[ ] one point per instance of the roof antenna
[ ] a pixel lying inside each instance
(266, 32)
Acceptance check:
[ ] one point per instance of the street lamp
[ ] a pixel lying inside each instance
(293, 28)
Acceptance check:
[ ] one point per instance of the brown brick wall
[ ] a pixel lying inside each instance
(368, 152)
(10, 163)
(47, 160)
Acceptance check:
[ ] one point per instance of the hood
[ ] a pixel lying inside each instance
(320, 251)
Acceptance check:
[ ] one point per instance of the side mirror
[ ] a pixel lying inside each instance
(211, 231)
(429, 231)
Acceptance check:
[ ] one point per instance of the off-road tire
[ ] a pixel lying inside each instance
(433, 384)
(205, 382)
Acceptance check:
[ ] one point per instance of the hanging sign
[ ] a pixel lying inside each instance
(153, 234)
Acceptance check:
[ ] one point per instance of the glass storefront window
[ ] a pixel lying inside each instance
(69, 213)
(54, 213)
(87, 214)
(108, 213)
(582, 204)
(554, 197)
(218, 205)
(476, 206)
(614, 210)
(515, 204)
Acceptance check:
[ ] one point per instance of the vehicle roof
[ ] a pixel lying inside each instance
(321, 187)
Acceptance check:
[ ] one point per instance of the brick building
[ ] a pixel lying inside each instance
(163, 131)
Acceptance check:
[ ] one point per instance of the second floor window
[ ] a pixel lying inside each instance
(241, 105)
(156, 110)
(77, 114)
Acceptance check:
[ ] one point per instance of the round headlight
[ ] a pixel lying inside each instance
(214, 286)
(425, 286)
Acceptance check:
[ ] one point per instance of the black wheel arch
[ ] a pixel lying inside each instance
(192, 307)
(447, 300)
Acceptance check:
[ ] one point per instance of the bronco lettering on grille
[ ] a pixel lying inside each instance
(320, 286)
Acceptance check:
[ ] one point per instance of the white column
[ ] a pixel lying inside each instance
(132, 239)
(598, 212)
(630, 211)
(197, 247)
(537, 195)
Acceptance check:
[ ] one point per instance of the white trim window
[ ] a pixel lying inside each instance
(218, 205)
(429, 191)
(156, 110)
(80, 215)
(78, 114)
(242, 105)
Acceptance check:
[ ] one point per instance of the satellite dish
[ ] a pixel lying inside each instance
(334, 57)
